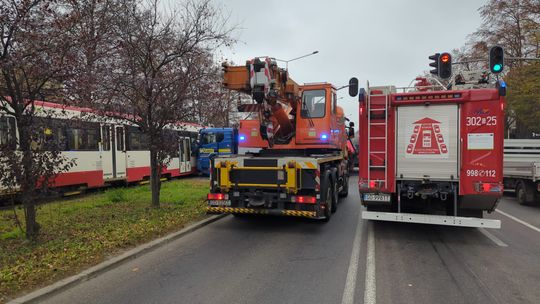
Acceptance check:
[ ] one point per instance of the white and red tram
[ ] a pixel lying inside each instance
(105, 150)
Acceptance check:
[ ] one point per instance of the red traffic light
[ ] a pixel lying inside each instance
(445, 58)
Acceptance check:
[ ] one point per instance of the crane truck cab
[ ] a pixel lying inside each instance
(214, 142)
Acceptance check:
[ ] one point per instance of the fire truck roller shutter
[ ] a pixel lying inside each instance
(427, 142)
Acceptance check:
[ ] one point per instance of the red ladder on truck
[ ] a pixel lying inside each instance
(377, 106)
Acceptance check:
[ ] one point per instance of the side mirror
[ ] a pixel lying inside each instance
(351, 131)
(351, 124)
(353, 87)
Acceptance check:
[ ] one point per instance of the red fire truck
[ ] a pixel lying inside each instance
(430, 154)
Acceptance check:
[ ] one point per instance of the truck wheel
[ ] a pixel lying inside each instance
(326, 199)
(335, 197)
(521, 194)
(345, 191)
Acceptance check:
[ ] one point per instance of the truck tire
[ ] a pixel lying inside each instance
(335, 196)
(326, 196)
(345, 190)
(334, 187)
(524, 193)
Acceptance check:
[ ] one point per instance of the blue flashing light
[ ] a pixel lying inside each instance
(242, 137)
(324, 136)
(502, 84)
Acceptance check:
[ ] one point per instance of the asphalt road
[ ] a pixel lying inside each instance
(348, 260)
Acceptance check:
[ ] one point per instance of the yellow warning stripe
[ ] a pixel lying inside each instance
(299, 213)
(259, 211)
(234, 210)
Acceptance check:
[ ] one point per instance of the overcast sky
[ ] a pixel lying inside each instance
(385, 42)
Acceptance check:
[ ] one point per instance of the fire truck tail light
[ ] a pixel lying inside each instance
(302, 199)
(217, 196)
(372, 184)
(488, 187)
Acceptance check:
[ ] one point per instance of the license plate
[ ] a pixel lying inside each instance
(219, 203)
(370, 197)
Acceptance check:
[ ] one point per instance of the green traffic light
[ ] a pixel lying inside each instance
(497, 67)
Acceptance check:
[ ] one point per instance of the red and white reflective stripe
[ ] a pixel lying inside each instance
(251, 74)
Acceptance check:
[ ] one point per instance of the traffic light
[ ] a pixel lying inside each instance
(496, 59)
(442, 64)
(435, 64)
(445, 66)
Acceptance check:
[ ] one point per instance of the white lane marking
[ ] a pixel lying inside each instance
(518, 220)
(495, 239)
(370, 288)
(350, 282)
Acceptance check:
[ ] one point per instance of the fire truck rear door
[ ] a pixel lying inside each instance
(427, 142)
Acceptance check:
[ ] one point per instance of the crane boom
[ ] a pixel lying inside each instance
(276, 95)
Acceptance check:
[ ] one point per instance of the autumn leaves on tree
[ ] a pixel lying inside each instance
(135, 60)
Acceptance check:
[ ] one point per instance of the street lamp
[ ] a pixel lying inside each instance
(303, 56)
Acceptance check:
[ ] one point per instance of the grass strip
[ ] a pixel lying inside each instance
(83, 231)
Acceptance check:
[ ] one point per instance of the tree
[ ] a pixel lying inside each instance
(511, 24)
(161, 60)
(212, 104)
(36, 53)
(97, 33)
(524, 95)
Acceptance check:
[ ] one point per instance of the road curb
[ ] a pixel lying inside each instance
(94, 271)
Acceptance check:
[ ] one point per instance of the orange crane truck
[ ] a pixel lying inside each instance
(302, 167)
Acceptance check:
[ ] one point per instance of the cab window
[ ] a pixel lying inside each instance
(210, 138)
(314, 104)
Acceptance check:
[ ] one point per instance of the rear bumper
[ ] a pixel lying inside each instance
(432, 219)
(238, 210)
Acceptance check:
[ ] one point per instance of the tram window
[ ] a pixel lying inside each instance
(83, 139)
(92, 139)
(120, 139)
(136, 140)
(106, 142)
(7, 132)
(75, 139)
(50, 135)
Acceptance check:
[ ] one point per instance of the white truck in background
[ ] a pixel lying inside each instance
(522, 169)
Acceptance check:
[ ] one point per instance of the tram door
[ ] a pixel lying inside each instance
(185, 154)
(106, 152)
(119, 157)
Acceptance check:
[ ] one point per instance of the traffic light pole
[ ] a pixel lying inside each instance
(487, 59)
